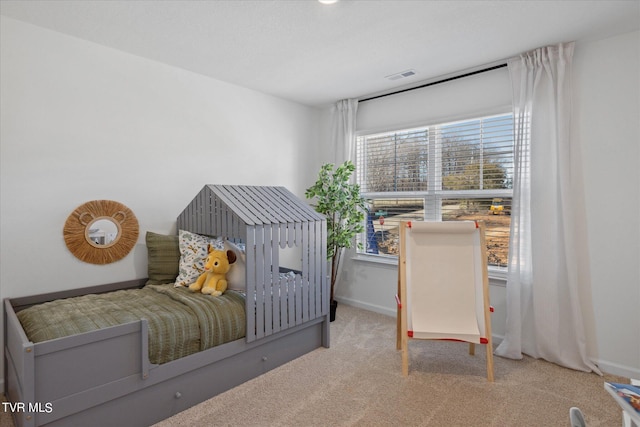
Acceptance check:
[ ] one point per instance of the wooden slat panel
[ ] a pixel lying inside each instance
(314, 243)
(218, 212)
(275, 250)
(308, 265)
(274, 211)
(319, 259)
(307, 270)
(268, 280)
(277, 312)
(195, 218)
(193, 215)
(275, 266)
(210, 213)
(283, 235)
(203, 224)
(299, 295)
(302, 210)
(306, 299)
(250, 305)
(249, 200)
(260, 279)
(284, 295)
(291, 235)
(321, 262)
(237, 226)
(226, 220)
(229, 196)
(291, 303)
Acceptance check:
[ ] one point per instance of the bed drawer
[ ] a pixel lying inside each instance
(182, 390)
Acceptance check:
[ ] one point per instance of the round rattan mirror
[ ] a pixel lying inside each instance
(101, 231)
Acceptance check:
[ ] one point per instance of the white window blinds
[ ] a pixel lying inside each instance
(451, 171)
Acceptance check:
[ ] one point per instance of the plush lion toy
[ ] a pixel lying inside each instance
(213, 281)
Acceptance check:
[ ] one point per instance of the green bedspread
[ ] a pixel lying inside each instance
(180, 322)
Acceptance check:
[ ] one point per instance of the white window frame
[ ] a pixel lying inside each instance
(434, 195)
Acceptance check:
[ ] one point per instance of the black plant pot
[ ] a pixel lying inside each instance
(332, 310)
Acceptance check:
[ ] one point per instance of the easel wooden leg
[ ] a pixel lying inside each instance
(405, 356)
(399, 328)
(489, 362)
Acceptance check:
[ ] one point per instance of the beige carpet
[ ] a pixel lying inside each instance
(357, 382)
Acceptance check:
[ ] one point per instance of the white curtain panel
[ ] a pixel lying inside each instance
(545, 272)
(343, 126)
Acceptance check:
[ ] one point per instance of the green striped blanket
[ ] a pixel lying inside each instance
(180, 322)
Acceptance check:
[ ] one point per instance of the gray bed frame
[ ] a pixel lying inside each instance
(105, 378)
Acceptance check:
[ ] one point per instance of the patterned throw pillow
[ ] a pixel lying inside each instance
(193, 251)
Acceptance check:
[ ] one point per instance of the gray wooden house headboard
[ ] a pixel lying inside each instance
(267, 219)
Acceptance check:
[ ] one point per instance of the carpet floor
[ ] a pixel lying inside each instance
(358, 382)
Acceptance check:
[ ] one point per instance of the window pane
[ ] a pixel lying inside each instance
(477, 154)
(383, 221)
(447, 171)
(393, 162)
(496, 214)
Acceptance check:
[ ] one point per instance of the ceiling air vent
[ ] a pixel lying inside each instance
(401, 75)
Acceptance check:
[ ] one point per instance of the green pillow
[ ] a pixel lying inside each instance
(164, 258)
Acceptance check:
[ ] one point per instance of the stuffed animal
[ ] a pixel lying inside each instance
(213, 281)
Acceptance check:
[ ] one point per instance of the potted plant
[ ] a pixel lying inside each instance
(340, 201)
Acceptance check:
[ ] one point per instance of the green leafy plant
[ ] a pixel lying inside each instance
(343, 206)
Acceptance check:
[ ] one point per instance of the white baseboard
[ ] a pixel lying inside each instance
(497, 339)
(616, 369)
(607, 367)
(365, 306)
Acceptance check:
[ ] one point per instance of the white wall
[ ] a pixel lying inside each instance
(607, 121)
(82, 122)
(607, 109)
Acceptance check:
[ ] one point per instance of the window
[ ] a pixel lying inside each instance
(452, 171)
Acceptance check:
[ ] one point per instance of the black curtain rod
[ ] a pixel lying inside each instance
(472, 73)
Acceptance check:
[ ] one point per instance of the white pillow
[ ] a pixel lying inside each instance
(193, 252)
(237, 275)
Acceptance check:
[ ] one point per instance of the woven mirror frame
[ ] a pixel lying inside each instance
(89, 242)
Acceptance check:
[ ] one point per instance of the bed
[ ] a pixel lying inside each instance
(113, 374)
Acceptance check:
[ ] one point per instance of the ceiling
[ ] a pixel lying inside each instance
(316, 54)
